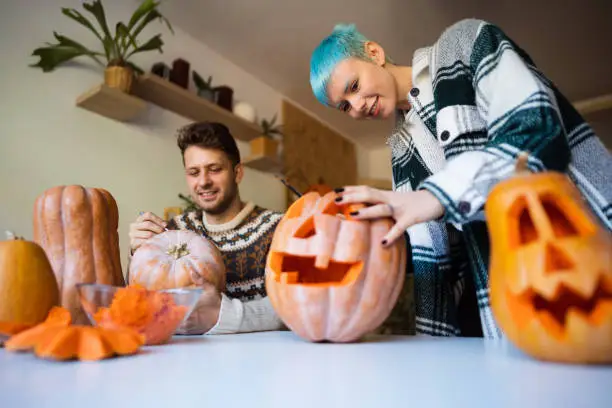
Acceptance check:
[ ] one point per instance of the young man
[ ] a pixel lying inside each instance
(466, 108)
(241, 230)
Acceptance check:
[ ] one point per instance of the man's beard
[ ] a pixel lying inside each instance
(225, 202)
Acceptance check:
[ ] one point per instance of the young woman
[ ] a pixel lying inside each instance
(465, 109)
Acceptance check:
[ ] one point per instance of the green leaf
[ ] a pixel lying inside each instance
(150, 16)
(78, 17)
(199, 81)
(154, 43)
(51, 57)
(69, 42)
(145, 7)
(123, 38)
(97, 9)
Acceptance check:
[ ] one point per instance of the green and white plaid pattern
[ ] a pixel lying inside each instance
(486, 102)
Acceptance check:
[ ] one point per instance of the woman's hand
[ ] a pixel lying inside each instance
(406, 208)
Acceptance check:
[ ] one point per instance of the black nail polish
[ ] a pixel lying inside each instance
(354, 213)
(384, 242)
(338, 198)
(338, 190)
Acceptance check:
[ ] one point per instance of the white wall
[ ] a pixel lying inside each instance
(45, 140)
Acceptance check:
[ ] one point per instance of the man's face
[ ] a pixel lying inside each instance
(212, 181)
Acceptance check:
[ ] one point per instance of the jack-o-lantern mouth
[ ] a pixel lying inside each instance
(554, 312)
(294, 269)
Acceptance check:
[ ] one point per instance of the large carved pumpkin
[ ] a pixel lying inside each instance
(77, 228)
(28, 289)
(550, 269)
(177, 259)
(327, 276)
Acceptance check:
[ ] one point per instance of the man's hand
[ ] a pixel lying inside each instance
(205, 314)
(146, 226)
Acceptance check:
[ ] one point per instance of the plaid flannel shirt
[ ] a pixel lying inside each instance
(481, 104)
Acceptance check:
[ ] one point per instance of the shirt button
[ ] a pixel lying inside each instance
(444, 135)
(414, 92)
(464, 207)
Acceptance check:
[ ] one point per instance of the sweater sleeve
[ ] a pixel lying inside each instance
(488, 93)
(240, 317)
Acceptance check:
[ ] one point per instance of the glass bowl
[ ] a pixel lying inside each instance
(96, 300)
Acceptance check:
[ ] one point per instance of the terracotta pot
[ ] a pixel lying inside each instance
(119, 77)
(264, 146)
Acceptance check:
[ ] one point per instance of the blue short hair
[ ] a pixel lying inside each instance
(344, 42)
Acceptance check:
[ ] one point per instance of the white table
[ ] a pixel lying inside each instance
(277, 369)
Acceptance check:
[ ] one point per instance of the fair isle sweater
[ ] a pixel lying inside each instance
(244, 243)
(478, 101)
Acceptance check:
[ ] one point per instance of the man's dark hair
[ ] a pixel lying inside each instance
(209, 135)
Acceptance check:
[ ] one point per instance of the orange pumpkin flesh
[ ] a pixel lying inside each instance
(28, 288)
(177, 259)
(78, 229)
(550, 270)
(57, 339)
(327, 275)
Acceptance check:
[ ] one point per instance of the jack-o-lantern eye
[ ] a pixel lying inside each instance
(553, 212)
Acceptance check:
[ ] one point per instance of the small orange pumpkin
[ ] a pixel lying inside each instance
(550, 269)
(327, 275)
(177, 259)
(28, 288)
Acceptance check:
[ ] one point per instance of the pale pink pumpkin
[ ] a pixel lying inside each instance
(177, 259)
(327, 275)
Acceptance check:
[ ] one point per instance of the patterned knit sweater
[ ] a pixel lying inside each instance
(244, 243)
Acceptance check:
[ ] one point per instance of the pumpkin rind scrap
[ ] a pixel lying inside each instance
(177, 259)
(28, 288)
(78, 229)
(550, 270)
(327, 276)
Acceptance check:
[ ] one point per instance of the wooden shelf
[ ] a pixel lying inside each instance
(111, 103)
(264, 163)
(172, 97)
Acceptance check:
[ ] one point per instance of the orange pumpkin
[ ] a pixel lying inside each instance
(28, 289)
(550, 269)
(328, 276)
(177, 259)
(77, 228)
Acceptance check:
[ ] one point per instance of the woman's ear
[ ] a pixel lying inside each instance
(375, 52)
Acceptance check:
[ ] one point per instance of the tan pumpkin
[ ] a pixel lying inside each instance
(77, 228)
(327, 276)
(177, 259)
(28, 289)
(550, 269)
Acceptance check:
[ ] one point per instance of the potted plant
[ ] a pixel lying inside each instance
(118, 48)
(205, 89)
(266, 144)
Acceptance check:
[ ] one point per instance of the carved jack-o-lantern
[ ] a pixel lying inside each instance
(550, 269)
(327, 275)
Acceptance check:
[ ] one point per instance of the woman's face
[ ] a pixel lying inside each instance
(362, 89)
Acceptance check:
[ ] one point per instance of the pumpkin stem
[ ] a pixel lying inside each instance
(520, 168)
(178, 250)
(10, 235)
